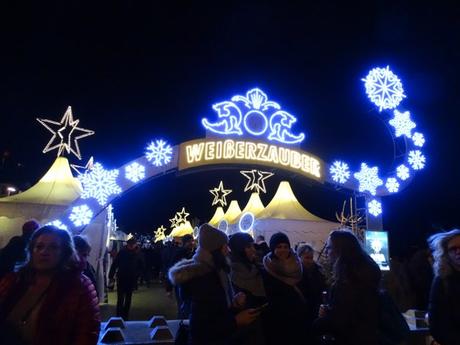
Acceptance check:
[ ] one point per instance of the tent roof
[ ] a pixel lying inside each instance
(218, 215)
(285, 205)
(56, 187)
(233, 212)
(182, 230)
(254, 205)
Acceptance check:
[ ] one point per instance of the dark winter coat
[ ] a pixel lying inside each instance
(127, 265)
(13, 252)
(211, 320)
(288, 311)
(69, 313)
(313, 284)
(444, 309)
(353, 315)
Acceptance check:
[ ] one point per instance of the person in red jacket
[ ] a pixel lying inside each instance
(49, 301)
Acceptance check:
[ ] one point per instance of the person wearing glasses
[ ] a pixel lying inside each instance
(49, 300)
(444, 306)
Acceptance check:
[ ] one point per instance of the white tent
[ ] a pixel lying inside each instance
(254, 205)
(182, 230)
(216, 218)
(232, 216)
(46, 201)
(284, 213)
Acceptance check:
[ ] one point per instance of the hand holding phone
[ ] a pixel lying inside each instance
(262, 307)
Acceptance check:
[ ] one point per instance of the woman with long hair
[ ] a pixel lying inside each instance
(49, 301)
(352, 310)
(444, 306)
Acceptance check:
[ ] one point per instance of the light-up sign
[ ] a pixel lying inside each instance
(201, 152)
(377, 248)
(254, 115)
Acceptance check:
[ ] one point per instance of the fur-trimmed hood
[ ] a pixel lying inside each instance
(186, 270)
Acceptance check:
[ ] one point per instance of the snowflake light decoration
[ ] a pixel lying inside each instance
(58, 224)
(81, 215)
(159, 153)
(340, 172)
(135, 172)
(392, 185)
(374, 208)
(416, 159)
(402, 123)
(418, 139)
(402, 172)
(384, 88)
(368, 179)
(99, 184)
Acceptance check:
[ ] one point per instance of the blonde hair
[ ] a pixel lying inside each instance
(438, 244)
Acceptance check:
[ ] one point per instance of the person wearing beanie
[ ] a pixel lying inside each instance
(205, 290)
(15, 252)
(283, 284)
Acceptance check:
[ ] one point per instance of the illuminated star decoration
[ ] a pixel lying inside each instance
(340, 172)
(368, 179)
(99, 184)
(64, 133)
(82, 169)
(182, 216)
(160, 234)
(374, 208)
(402, 172)
(384, 88)
(219, 194)
(418, 139)
(58, 224)
(256, 179)
(392, 185)
(416, 160)
(402, 123)
(159, 153)
(135, 172)
(81, 215)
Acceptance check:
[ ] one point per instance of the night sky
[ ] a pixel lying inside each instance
(133, 72)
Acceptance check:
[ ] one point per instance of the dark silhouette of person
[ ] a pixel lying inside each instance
(16, 250)
(127, 266)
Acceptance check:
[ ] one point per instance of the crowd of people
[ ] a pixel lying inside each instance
(232, 289)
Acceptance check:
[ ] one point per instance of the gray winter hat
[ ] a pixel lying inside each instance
(211, 238)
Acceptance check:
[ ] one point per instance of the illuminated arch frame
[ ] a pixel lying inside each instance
(337, 173)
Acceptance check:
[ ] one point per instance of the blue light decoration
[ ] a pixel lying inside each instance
(418, 139)
(159, 153)
(253, 114)
(374, 207)
(368, 179)
(99, 184)
(135, 172)
(402, 123)
(340, 172)
(416, 159)
(81, 215)
(58, 224)
(402, 172)
(392, 185)
(246, 222)
(384, 88)
(223, 225)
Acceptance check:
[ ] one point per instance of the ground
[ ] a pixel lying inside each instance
(146, 302)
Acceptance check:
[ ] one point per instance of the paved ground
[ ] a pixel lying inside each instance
(146, 302)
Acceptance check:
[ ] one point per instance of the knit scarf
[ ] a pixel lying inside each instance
(288, 271)
(247, 278)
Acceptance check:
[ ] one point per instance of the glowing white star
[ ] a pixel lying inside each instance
(82, 169)
(219, 194)
(63, 132)
(368, 179)
(402, 123)
(160, 234)
(256, 180)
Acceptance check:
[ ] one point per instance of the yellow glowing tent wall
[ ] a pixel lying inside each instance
(182, 230)
(218, 215)
(284, 213)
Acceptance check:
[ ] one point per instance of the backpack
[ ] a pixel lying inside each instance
(393, 328)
